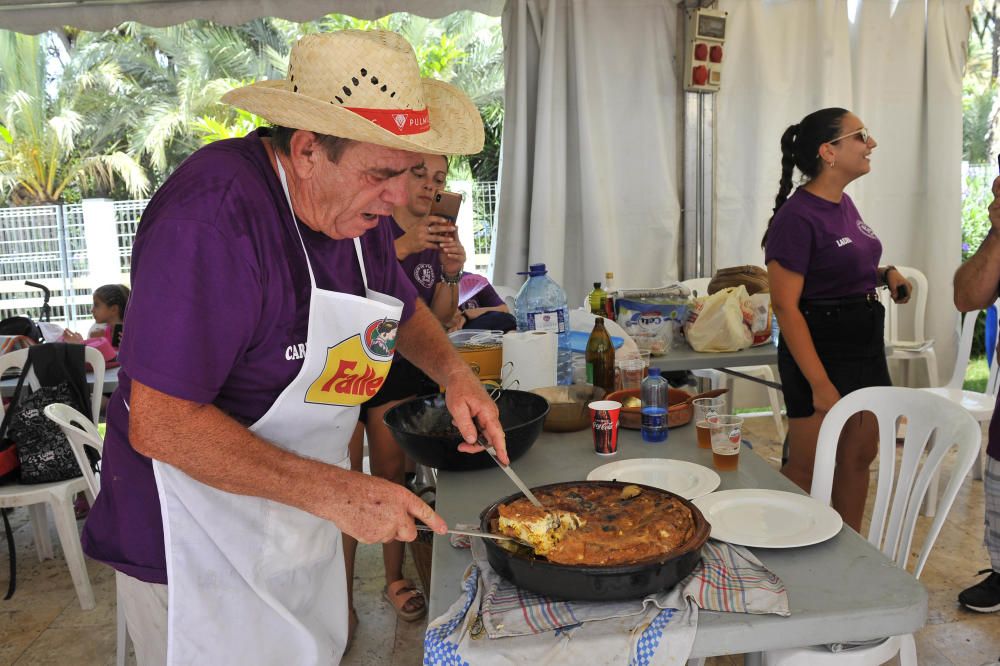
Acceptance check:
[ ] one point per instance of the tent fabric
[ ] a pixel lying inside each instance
(898, 66)
(590, 160)
(34, 16)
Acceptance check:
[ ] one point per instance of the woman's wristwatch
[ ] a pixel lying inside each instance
(885, 274)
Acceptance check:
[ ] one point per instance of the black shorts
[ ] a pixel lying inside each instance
(848, 337)
(404, 380)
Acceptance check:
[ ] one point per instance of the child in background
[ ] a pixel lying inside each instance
(108, 311)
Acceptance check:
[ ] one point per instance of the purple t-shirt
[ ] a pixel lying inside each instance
(218, 315)
(423, 268)
(475, 291)
(828, 243)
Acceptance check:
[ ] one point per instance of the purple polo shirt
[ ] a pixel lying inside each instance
(218, 315)
(423, 268)
(828, 243)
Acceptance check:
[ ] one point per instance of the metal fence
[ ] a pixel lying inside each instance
(48, 244)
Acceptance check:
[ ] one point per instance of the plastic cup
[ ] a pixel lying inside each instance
(727, 438)
(632, 370)
(706, 411)
(604, 415)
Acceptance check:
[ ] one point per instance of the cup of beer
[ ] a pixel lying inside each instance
(706, 411)
(727, 437)
(604, 416)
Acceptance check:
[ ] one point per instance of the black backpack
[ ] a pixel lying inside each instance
(20, 325)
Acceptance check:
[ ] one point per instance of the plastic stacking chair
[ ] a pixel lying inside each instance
(81, 433)
(718, 379)
(508, 295)
(934, 426)
(59, 494)
(980, 405)
(919, 349)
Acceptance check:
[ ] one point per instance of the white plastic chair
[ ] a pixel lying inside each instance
(59, 495)
(508, 295)
(934, 426)
(718, 379)
(81, 433)
(980, 405)
(919, 348)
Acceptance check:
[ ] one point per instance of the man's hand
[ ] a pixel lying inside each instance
(469, 404)
(994, 208)
(379, 511)
(894, 280)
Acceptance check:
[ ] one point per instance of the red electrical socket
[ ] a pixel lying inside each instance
(701, 51)
(716, 54)
(699, 75)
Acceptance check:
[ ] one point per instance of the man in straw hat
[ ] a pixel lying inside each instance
(266, 305)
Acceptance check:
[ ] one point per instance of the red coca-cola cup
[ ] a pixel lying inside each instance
(604, 424)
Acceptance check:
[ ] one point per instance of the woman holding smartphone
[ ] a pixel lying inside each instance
(823, 267)
(428, 249)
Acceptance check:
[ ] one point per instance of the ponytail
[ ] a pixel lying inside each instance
(800, 148)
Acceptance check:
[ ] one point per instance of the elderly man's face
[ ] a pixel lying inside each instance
(347, 197)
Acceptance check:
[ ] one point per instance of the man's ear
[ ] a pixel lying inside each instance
(305, 149)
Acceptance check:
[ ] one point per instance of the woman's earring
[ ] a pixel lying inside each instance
(832, 162)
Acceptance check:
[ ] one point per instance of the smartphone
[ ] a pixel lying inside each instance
(446, 205)
(116, 336)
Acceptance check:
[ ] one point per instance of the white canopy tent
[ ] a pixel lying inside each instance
(592, 176)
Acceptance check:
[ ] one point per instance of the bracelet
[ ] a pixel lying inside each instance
(451, 279)
(885, 274)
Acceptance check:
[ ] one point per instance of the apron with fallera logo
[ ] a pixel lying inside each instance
(252, 581)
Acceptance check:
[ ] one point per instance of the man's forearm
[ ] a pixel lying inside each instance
(975, 283)
(424, 343)
(212, 447)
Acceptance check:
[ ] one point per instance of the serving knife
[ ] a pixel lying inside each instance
(477, 533)
(509, 472)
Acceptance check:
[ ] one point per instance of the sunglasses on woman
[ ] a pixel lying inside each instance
(862, 134)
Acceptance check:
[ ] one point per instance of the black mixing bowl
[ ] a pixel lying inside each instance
(423, 427)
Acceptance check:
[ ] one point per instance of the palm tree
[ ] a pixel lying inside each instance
(49, 144)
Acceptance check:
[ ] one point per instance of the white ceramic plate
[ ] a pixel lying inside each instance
(768, 518)
(677, 476)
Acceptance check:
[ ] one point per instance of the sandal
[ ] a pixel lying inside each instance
(400, 594)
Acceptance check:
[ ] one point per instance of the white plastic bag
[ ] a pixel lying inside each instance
(721, 322)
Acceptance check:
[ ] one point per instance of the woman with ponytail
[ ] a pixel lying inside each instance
(822, 262)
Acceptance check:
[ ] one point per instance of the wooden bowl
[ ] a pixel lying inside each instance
(679, 412)
(568, 411)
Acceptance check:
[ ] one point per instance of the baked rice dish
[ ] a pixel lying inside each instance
(598, 525)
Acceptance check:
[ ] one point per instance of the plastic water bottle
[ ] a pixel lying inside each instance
(540, 305)
(654, 407)
(775, 330)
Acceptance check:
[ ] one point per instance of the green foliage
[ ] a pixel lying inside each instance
(113, 113)
(977, 374)
(976, 198)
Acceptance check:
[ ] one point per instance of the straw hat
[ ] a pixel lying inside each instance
(366, 85)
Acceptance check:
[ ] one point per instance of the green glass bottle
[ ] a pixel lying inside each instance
(597, 300)
(600, 358)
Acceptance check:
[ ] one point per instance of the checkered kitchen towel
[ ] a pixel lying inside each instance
(656, 630)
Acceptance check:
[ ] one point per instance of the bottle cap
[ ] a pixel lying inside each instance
(597, 285)
(654, 372)
(534, 270)
(609, 275)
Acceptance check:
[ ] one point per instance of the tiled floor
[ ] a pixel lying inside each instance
(43, 623)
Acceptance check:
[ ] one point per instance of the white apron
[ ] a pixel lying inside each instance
(253, 581)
